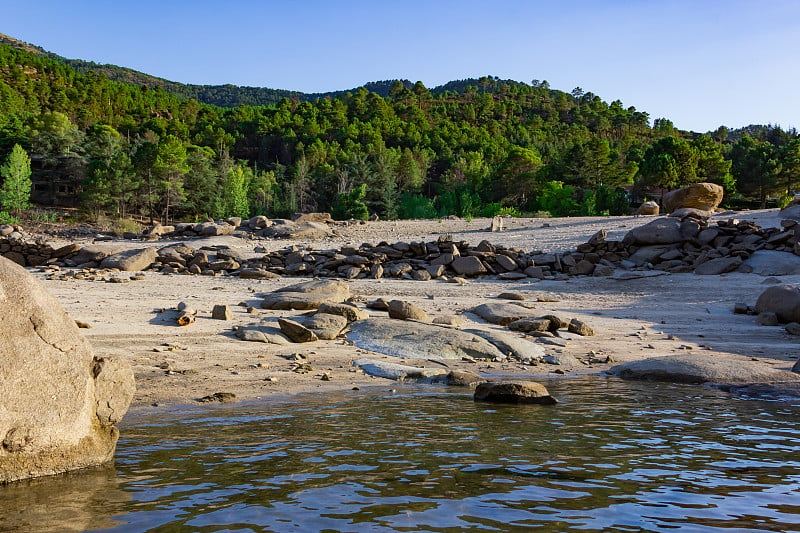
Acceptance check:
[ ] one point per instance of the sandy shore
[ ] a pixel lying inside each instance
(633, 319)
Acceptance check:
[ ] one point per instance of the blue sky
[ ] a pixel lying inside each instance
(699, 63)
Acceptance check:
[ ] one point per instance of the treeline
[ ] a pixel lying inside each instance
(473, 147)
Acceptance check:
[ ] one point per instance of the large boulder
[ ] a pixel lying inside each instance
(696, 368)
(783, 300)
(307, 295)
(703, 196)
(773, 263)
(791, 212)
(402, 338)
(59, 405)
(513, 392)
(131, 260)
(659, 231)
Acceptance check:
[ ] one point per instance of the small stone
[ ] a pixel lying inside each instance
(580, 328)
(221, 312)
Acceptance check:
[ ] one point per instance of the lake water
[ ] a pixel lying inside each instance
(612, 456)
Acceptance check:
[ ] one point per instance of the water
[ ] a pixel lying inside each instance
(612, 456)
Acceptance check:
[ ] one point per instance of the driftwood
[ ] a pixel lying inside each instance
(186, 315)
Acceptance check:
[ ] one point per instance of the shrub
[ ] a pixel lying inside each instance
(416, 206)
(350, 205)
(125, 225)
(7, 218)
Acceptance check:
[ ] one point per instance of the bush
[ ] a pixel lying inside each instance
(125, 225)
(557, 198)
(416, 206)
(7, 218)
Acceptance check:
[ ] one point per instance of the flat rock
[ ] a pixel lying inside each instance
(350, 312)
(773, 263)
(286, 229)
(526, 392)
(307, 295)
(510, 344)
(267, 334)
(720, 265)
(417, 340)
(326, 326)
(696, 368)
(295, 331)
(502, 313)
(398, 372)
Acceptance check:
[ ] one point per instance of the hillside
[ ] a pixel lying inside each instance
(138, 144)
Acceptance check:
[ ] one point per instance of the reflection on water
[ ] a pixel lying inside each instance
(611, 456)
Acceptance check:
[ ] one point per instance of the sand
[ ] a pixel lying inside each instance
(633, 319)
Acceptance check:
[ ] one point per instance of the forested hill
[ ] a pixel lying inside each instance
(471, 147)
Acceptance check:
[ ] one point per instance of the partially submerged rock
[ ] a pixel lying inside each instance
(688, 368)
(58, 404)
(398, 372)
(513, 392)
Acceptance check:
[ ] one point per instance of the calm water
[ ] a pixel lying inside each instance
(613, 456)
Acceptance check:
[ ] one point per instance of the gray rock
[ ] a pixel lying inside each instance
(502, 313)
(401, 338)
(58, 404)
(94, 252)
(350, 312)
(398, 372)
(131, 260)
(221, 312)
(773, 263)
(783, 300)
(793, 328)
(325, 326)
(307, 295)
(720, 265)
(529, 324)
(562, 359)
(649, 254)
(268, 334)
(285, 229)
(791, 212)
(513, 392)
(696, 368)
(468, 266)
(660, 231)
(510, 344)
(515, 296)
(767, 319)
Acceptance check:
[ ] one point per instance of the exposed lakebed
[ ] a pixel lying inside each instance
(612, 455)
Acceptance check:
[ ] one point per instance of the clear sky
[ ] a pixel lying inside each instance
(699, 63)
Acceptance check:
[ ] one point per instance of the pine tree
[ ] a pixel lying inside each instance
(15, 194)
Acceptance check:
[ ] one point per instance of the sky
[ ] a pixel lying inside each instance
(699, 63)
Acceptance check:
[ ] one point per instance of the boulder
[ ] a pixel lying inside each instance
(773, 263)
(463, 378)
(285, 229)
(720, 265)
(307, 295)
(783, 300)
(513, 392)
(510, 344)
(660, 231)
(502, 313)
(398, 372)
(322, 218)
(59, 404)
(406, 311)
(468, 266)
(405, 339)
(295, 331)
(703, 196)
(325, 326)
(696, 368)
(579, 327)
(648, 208)
(93, 253)
(791, 212)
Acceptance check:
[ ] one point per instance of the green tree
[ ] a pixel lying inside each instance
(669, 163)
(16, 173)
(517, 175)
(170, 167)
(789, 155)
(711, 164)
(756, 169)
(350, 205)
